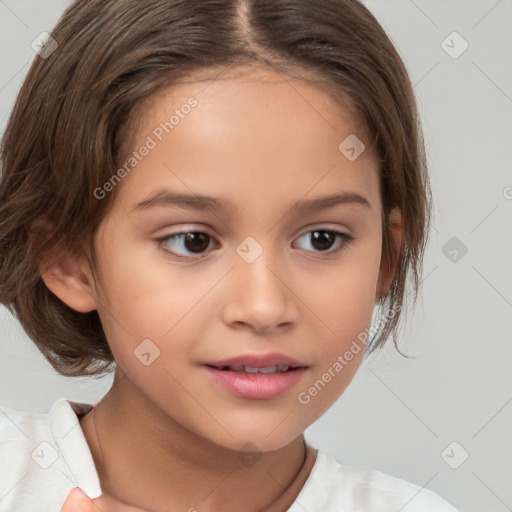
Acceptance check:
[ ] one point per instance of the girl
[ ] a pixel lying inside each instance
(209, 198)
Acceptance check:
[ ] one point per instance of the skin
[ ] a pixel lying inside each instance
(165, 437)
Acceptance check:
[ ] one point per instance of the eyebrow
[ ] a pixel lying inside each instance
(165, 198)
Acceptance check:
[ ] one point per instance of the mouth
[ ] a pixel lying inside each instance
(252, 369)
(271, 362)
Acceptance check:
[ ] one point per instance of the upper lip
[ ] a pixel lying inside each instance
(258, 361)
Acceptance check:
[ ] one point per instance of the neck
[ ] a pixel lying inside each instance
(144, 458)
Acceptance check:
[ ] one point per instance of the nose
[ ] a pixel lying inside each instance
(260, 297)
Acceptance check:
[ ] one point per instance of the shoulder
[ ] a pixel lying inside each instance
(34, 468)
(352, 489)
(20, 429)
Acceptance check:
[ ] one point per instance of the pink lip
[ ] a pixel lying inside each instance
(258, 361)
(257, 386)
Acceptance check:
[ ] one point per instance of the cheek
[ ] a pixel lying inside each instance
(339, 350)
(345, 304)
(145, 297)
(347, 298)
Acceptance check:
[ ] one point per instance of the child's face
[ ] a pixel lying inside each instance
(260, 146)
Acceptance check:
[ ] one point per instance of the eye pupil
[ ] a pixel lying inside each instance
(196, 241)
(323, 240)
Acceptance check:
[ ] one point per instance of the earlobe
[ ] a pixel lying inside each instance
(387, 267)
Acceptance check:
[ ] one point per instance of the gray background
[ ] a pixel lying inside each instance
(397, 415)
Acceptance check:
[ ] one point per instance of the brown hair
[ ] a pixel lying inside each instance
(68, 127)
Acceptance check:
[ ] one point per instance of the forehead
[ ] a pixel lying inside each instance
(305, 92)
(249, 133)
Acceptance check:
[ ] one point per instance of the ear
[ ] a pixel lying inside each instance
(69, 277)
(387, 267)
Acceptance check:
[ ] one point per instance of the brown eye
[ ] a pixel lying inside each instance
(321, 240)
(186, 243)
(196, 242)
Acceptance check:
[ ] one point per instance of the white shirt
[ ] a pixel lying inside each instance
(43, 456)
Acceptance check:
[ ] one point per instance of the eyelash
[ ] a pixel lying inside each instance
(347, 241)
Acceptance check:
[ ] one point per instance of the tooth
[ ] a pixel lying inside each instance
(269, 369)
(250, 369)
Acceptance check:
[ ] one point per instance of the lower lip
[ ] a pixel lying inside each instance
(258, 386)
